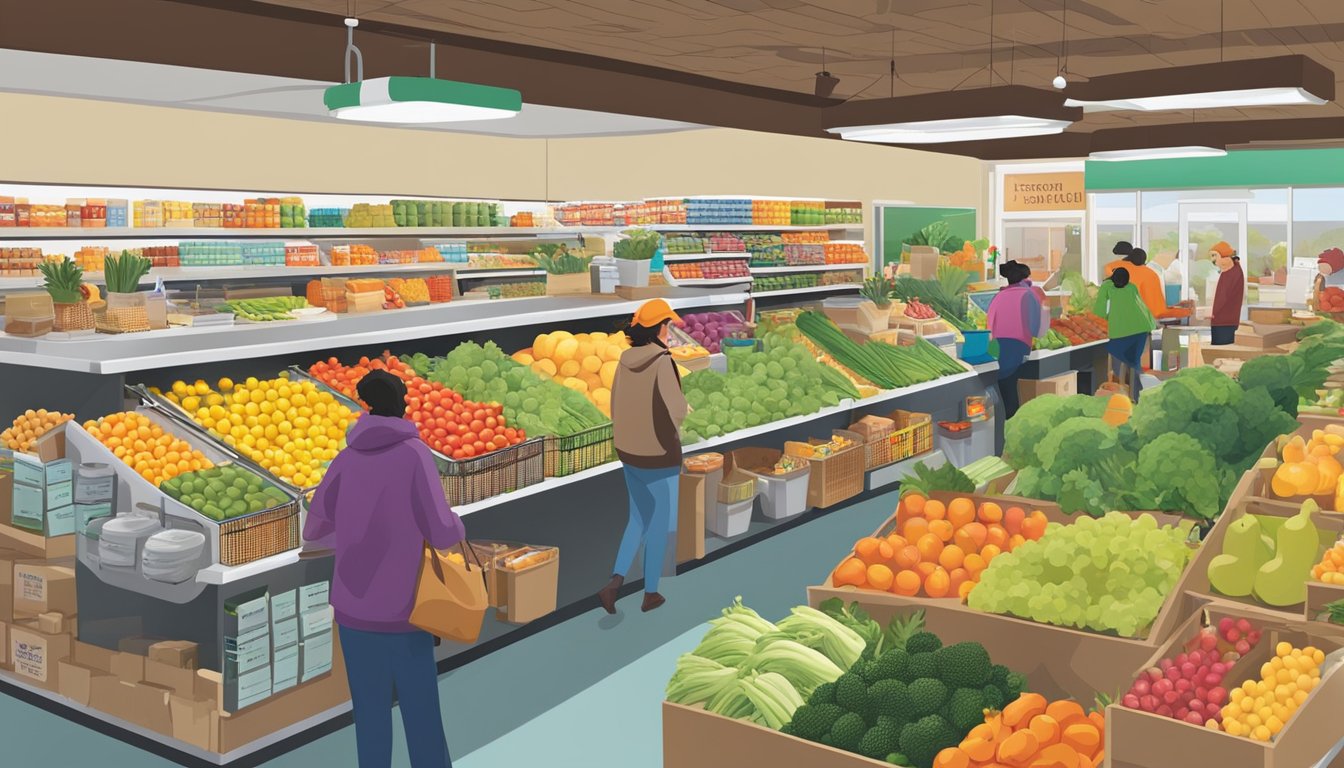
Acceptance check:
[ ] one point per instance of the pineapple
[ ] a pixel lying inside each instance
(62, 280)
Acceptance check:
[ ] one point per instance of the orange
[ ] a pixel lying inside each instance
(912, 506)
(880, 577)
(937, 584)
(965, 589)
(951, 557)
(997, 536)
(1012, 519)
(934, 510)
(1033, 527)
(866, 549)
(974, 563)
(930, 547)
(956, 577)
(907, 556)
(990, 552)
(1015, 541)
(915, 528)
(961, 511)
(990, 512)
(907, 583)
(975, 533)
(942, 529)
(897, 542)
(851, 572)
(925, 568)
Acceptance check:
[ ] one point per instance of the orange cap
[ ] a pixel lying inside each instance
(654, 312)
(1222, 248)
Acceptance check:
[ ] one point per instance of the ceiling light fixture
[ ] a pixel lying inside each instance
(826, 83)
(985, 114)
(1062, 57)
(1273, 82)
(956, 129)
(1156, 153)
(414, 99)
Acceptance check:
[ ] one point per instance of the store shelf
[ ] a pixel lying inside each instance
(807, 268)
(1041, 354)
(208, 274)
(692, 282)
(471, 274)
(291, 233)
(104, 354)
(746, 227)
(705, 256)
(813, 289)
(218, 574)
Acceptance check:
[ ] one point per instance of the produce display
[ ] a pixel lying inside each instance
(584, 362)
(144, 446)
(1271, 559)
(786, 282)
(1330, 570)
(1109, 575)
(711, 328)
(264, 310)
(885, 365)
(224, 492)
(716, 269)
(29, 426)
(937, 549)
(457, 428)
(1191, 686)
(1080, 328)
(411, 291)
(1310, 468)
(292, 429)
(845, 253)
(519, 289)
(122, 273)
(1052, 339)
(760, 387)
(946, 295)
(918, 310)
(1032, 731)
(1332, 300)
(683, 244)
(391, 299)
(1182, 449)
(1324, 402)
(810, 451)
(1261, 707)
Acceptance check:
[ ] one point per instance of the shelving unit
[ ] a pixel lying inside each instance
(800, 291)
(806, 268)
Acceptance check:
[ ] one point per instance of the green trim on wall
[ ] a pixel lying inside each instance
(1245, 168)
(901, 221)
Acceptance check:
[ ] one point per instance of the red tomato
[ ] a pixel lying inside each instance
(440, 432)
(487, 435)
(477, 425)
(490, 422)
(478, 445)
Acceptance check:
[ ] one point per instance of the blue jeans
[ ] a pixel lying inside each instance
(1012, 353)
(1128, 350)
(379, 663)
(653, 520)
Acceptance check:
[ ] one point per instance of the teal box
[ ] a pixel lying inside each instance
(285, 634)
(61, 520)
(29, 471)
(284, 605)
(29, 507)
(313, 596)
(60, 494)
(87, 513)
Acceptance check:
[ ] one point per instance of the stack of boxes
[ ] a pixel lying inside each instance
(247, 650)
(315, 625)
(44, 497)
(37, 617)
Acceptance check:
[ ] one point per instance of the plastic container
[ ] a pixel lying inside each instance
(121, 540)
(95, 483)
(975, 347)
(729, 520)
(172, 556)
(29, 314)
(702, 463)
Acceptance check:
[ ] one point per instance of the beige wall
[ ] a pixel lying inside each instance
(75, 141)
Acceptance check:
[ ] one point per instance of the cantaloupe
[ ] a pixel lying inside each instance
(1118, 410)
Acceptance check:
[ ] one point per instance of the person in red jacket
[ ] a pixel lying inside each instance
(1227, 297)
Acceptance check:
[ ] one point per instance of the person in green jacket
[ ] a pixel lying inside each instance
(1129, 323)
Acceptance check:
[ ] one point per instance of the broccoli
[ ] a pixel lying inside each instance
(922, 642)
(890, 698)
(1179, 474)
(998, 674)
(893, 665)
(1014, 686)
(870, 671)
(1036, 418)
(896, 758)
(921, 665)
(812, 721)
(1078, 442)
(848, 731)
(787, 730)
(922, 740)
(851, 693)
(823, 694)
(965, 709)
(964, 665)
(993, 695)
(880, 740)
(1277, 374)
(927, 696)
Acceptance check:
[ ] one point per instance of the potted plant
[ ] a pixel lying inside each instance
(633, 255)
(126, 310)
(63, 279)
(877, 307)
(566, 273)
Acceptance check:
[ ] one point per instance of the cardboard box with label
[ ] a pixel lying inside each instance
(35, 655)
(43, 495)
(1063, 384)
(41, 588)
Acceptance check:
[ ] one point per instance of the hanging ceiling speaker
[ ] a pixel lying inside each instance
(826, 83)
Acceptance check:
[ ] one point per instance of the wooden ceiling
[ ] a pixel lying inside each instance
(738, 63)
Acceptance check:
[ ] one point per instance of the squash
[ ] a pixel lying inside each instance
(1233, 572)
(1118, 410)
(1283, 580)
(1339, 495)
(1330, 470)
(1295, 450)
(1298, 478)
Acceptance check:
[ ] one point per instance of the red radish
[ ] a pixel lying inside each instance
(1194, 718)
(1189, 686)
(1131, 700)
(1243, 647)
(1226, 623)
(1164, 711)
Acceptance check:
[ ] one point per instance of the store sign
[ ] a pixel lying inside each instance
(1043, 192)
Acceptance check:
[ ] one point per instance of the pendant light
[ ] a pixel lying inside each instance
(405, 100)
(1156, 153)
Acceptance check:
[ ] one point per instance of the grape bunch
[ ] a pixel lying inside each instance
(1110, 574)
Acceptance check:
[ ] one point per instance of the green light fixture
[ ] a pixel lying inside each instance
(414, 99)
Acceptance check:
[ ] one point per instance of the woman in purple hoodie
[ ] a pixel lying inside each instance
(378, 505)
(1015, 318)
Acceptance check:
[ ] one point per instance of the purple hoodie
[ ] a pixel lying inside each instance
(378, 504)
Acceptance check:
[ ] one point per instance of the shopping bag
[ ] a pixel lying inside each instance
(451, 599)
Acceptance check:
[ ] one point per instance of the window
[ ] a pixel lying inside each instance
(1113, 216)
(1318, 222)
(1045, 246)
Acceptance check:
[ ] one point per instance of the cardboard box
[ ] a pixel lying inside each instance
(284, 605)
(4, 645)
(137, 645)
(314, 596)
(316, 622)
(315, 657)
(1063, 384)
(695, 498)
(1266, 336)
(182, 654)
(76, 682)
(1058, 661)
(35, 655)
(779, 496)
(293, 706)
(192, 721)
(696, 738)
(41, 588)
(248, 652)
(1136, 739)
(248, 613)
(285, 633)
(7, 561)
(181, 681)
(35, 545)
(1270, 315)
(128, 667)
(6, 497)
(525, 595)
(93, 656)
(51, 623)
(31, 470)
(924, 262)
(209, 687)
(142, 704)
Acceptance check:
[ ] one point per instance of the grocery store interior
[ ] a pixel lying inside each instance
(1010, 334)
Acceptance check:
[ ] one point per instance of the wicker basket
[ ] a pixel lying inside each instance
(508, 469)
(251, 538)
(123, 313)
(74, 317)
(913, 434)
(837, 477)
(583, 450)
(876, 432)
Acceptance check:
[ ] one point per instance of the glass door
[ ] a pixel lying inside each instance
(1047, 246)
(1201, 226)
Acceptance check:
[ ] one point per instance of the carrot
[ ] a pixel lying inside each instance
(951, 758)
(1083, 737)
(978, 749)
(1056, 756)
(1018, 748)
(1098, 719)
(1046, 729)
(1021, 711)
(1066, 712)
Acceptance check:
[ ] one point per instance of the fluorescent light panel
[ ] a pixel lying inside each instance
(420, 100)
(953, 130)
(1156, 153)
(1250, 97)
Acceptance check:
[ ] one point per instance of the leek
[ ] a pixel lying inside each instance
(820, 632)
(698, 680)
(773, 696)
(805, 668)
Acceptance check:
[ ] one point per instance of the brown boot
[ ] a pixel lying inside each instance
(652, 600)
(607, 595)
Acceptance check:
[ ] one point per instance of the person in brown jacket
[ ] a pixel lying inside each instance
(647, 409)
(1228, 295)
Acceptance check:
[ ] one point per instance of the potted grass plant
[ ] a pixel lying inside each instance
(566, 272)
(64, 280)
(127, 308)
(634, 253)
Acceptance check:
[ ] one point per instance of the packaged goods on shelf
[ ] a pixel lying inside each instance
(679, 244)
(807, 213)
(301, 255)
(117, 213)
(786, 282)
(725, 242)
(207, 214)
(586, 214)
(717, 269)
(440, 288)
(805, 238)
(845, 253)
(327, 217)
(213, 253)
(718, 211)
(413, 291)
(798, 255)
(767, 250)
(843, 213)
(8, 212)
(772, 212)
(453, 251)
(29, 314)
(512, 289)
(90, 257)
(665, 211)
(353, 255)
(365, 215)
(522, 219)
(24, 261)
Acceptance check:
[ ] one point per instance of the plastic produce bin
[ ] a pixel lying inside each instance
(781, 496)
(729, 520)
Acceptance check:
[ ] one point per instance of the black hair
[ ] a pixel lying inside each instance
(641, 335)
(383, 393)
(1014, 272)
(1138, 257)
(1120, 277)
(1123, 248)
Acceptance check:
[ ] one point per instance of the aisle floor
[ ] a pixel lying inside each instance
(584, 693)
